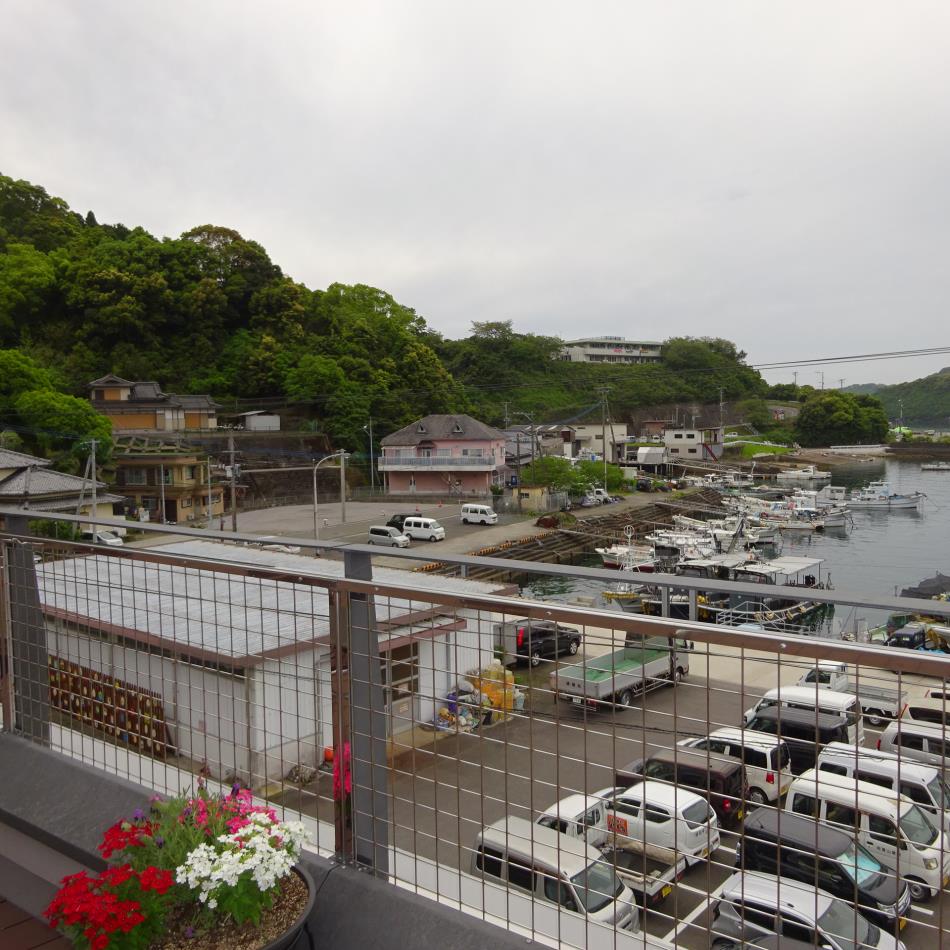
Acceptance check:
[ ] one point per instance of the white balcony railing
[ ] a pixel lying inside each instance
(392, 462)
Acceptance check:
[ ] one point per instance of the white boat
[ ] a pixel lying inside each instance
(878, 495)
(627, 557)
(807, 473)
(935, 467)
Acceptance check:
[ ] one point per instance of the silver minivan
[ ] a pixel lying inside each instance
(548, 866)
(387, 536)
(920, 741)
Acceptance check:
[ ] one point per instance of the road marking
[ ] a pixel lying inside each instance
(688, 919)
(921, 910)
(731, 851)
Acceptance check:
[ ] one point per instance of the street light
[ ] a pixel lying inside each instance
(316, 464)
(372, 473)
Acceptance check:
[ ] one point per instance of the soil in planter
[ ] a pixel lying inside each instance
(288, 905)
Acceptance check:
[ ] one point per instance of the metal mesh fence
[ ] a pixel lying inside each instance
(585, 777)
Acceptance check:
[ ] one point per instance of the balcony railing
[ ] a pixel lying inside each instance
(156, 664)
(391, 462)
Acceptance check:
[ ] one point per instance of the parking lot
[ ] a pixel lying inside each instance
(521, 767)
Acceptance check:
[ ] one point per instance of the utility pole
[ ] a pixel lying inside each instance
(518, 466)
(603, 390)
(795, 378)
(343, 488)
(92, 467)
(372, 471)
(233, 471)
(507, 417)
(209, 492)
(722, 417)
(161, 488)
(821, 374)
(840, 384)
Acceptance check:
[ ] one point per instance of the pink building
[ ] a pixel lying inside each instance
(443, 454)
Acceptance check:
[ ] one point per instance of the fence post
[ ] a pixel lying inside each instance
(367, 725)
(25, 638)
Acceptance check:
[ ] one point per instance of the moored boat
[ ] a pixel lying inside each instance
(878, 495)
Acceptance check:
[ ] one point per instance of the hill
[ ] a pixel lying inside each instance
(926, 401)
(209, 311)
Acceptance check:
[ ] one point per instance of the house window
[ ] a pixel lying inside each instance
(185, 502)
(136, 476)
(168, 476)
(692, 451)
(690, 435)
(191, 472)
(473, 452)
(400, 668)
(420, 428)
(679, 435)
(457, 429)
(149, 504)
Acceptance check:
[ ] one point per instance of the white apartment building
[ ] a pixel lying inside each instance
(694, 445)
(610, 349)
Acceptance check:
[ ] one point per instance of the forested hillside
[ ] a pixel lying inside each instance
(210, 312)
(926, 402)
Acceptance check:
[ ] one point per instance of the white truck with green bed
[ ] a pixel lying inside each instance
(615, 678)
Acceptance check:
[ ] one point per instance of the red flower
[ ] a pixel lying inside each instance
(123, 835)
(155, 879)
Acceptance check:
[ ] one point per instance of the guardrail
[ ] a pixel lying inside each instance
(200, 656)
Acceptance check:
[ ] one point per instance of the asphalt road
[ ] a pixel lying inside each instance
(449, 791)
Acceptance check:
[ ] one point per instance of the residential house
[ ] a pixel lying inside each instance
(694, 445)
(27, 482)
(443, 454)
(610, 349)
(166, 481)
(588, 440)
(142, 406)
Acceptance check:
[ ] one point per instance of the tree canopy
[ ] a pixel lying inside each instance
(209, 311)
(833, 417)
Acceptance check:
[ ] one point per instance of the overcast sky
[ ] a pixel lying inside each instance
(771, 172)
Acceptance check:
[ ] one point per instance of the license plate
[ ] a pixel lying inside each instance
(666, 890)
(902, 923)
(577, 700)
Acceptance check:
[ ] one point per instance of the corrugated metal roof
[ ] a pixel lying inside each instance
(203, 611)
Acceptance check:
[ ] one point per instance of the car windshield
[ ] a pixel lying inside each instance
(859, 864)
(106, 536)
(917, 827)
(597, 886)
(697, 814)
(435, 524)
(940, 793)
(849, 928)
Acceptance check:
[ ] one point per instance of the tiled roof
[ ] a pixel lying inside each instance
(43, 482)
(111, 380)
(441, 428)
(11, 459)
(194, 402)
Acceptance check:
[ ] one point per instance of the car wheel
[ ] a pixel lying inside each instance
(918, 890)
(724, 945)
(370, 541)
(465, 521)
(679, 675)
(758, 797)
(875, 717)
(535, 657)
(625, 698)
(573, 647)
(432, 537)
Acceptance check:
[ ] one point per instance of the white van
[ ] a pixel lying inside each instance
(815, 698)
(423, 529)
(920, 741)
(932, 709)
(548, 866)
(665, 815)
(767, 760)
(478, 514)
(921, 783)
(895, 830)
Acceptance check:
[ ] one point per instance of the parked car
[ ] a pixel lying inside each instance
(102, 537)
(388, 536)
(754, 905)
(766, 759)
(644, 484)
(805, 850)
(478, 514)
(805, 732)
(550, 867)
(399, 521)
(718, 778)
(531, 641)
(920, 741)
(423, 529)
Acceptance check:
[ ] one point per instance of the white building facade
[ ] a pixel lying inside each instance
(611, 349)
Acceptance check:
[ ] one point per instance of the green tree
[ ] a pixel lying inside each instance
(19, 374)
(60, 426)
(833, 417)
(27, 279)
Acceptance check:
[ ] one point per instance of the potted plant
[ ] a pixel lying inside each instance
(205, 871)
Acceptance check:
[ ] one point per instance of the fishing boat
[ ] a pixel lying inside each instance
(935, 467)
(627, 557)
(806, 473)
(878, 495)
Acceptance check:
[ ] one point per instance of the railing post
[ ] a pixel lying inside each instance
(25, 638)
(368, 738)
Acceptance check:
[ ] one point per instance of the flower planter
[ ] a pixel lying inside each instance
(288, 939)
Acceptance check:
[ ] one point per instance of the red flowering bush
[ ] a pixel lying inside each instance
(121, 908)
